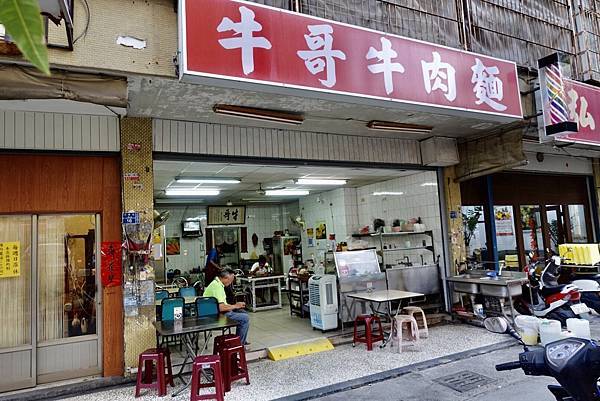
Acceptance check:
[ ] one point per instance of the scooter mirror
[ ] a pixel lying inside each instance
(496, 325)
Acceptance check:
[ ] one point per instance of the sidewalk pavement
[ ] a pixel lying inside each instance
(294, 377)
(423, 385)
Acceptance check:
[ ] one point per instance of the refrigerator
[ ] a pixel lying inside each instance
(287, 252)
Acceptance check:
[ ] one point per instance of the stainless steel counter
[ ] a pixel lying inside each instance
(506, 286)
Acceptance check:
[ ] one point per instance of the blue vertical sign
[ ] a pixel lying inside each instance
(130, 218)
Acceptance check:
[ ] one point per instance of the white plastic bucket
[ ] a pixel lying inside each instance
(528, 328)
(580, 328)
(550, 330)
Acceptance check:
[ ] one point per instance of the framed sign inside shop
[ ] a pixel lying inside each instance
(226, 215)
(270, 49)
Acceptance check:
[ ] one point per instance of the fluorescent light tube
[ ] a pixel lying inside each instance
(399, 127)
(192, 192)
(192, 180)
(319, 181)
(388, 193)
(287, 192)
(429, 184)
(259, 114)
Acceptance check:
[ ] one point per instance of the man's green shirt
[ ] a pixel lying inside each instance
(216, 289)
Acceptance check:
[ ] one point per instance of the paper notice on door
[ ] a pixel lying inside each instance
(10, 259)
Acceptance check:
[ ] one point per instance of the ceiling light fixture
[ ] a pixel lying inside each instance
(429, 184)
(388, 193)
(287, 192)
(195, 180)
(319, 181)
(259, 114)
(261, 201)
(399, 127)
(192, 192)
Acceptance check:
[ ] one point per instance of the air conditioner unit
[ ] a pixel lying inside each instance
(323, 300)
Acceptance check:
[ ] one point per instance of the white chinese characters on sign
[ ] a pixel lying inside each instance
(438, 75)
(245, 39)
(385, 56)
(487, 85)
(321, 55)
(583, 118)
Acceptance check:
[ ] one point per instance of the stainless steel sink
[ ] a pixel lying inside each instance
(477, 282)
(504, 290)
(469, 288)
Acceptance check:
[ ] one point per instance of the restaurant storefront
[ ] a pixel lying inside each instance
(308, 100)
(511, 214)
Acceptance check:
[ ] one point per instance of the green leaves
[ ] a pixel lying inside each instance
(23, 22)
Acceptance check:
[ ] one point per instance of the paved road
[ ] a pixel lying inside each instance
(420, 386)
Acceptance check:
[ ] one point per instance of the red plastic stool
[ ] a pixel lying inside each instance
(235, 366)
(369, 338)
(212, 362)
(145, 374)
(220, 341)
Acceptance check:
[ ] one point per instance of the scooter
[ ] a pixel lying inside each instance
(550, 299)
(588, 285)
(573, 362)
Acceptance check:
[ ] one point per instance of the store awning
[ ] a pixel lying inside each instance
(20, 83)
(491, 154)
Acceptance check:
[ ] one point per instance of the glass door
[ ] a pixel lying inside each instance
(17, 351)
(67, 297)
(556, 233)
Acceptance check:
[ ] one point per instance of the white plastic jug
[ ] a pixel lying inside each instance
(550, 330)
(580, 328)
(528, 328)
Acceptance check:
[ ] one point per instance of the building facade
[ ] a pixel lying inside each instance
(79, 148)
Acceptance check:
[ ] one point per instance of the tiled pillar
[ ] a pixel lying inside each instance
(596, 195)
(456, 237)
(138, 191)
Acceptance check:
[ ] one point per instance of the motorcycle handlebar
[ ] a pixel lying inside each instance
(508, 366)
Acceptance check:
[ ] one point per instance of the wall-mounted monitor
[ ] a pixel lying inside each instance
(191, 228)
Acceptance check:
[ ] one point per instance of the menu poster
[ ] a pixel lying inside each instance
(10, 259)
(310, 233)
(321, 230)
(503, 220)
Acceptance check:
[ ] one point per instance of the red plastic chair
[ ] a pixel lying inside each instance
(212, 362)
(233, 358)
(145, 376)
(369, 337)
(230, 339)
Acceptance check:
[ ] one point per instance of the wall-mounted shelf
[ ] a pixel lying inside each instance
(381, 251)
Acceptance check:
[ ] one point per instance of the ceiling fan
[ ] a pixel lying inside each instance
(262, 192)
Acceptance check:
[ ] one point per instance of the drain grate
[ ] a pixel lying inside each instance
(464, 381)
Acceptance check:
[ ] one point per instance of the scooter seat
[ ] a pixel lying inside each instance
(552, 290)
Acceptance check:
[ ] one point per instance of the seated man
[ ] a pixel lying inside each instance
(261, 267)
(216, 289)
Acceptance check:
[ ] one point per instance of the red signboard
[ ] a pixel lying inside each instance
(111, 263)
(248, 42)
(583, 107)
